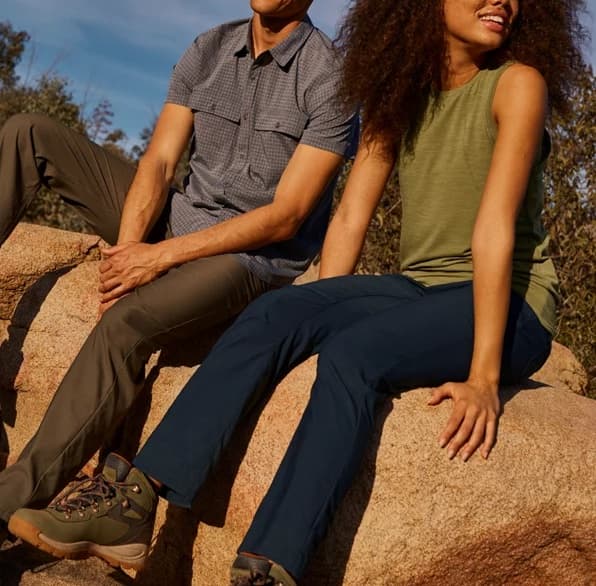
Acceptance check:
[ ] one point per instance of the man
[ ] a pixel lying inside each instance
(268, 141)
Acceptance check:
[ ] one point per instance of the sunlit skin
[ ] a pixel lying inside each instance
(472, 28)
(273, 20)
(133, 263)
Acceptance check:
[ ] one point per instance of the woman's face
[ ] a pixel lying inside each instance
(481, 24)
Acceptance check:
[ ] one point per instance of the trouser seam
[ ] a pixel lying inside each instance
(184, 493)
(161, 330)
(108, 395)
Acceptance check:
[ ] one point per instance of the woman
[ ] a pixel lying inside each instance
(453, 92)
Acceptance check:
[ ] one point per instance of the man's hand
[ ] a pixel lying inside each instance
(473, 421)
(126, 267)
(103, 307)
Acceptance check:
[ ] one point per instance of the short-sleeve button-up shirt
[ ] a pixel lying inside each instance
(249, 116)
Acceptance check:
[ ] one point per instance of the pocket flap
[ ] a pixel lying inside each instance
(204, 100)
(290, 122)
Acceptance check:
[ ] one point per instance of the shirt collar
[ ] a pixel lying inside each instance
(287, 49)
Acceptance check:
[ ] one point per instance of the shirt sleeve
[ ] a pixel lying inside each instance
(330, 127)
(184, 77)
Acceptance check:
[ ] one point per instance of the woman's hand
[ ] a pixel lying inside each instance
(473, 421)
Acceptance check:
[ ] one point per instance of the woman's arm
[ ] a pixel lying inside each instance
(364, 188)
(519, 108)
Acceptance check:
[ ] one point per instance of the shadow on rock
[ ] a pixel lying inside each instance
(171, 559)
(23, 565)
(126, 438)
(11, 350)
(328, 565)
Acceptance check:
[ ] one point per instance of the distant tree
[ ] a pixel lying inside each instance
(50, 94)
(99, 122)
(570, 216)
(12, 46)
(138, 150)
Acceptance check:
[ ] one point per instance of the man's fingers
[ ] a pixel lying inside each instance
(114, 293)
(106, 285)
(112, 250)
(103, 307)
(104, 265)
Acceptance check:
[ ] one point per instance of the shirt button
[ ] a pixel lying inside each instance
(213, 107)
(277, 125)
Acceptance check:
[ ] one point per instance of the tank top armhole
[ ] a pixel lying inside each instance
(491, 125)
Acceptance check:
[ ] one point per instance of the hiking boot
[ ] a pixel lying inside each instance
(110, 516)
(256, 571)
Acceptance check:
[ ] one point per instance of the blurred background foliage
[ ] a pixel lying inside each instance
(570, 211)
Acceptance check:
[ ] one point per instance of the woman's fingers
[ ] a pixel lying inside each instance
(463, 432)
(439, 394)
(473, 420)
(476, 438)
(490, 436)
(453, 424)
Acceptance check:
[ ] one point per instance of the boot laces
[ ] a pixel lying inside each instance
(89, 492)
(256, 579)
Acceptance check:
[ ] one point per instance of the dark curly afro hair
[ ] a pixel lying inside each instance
(395, 54)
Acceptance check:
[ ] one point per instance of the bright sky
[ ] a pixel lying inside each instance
(124, 50)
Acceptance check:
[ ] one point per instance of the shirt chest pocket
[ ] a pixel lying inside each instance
(277, 133)
(216, 123)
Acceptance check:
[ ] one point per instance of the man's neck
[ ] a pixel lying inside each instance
(269, 32)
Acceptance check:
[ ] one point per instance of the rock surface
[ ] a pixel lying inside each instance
(526, 516)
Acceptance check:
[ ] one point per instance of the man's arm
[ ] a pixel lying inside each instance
(148, 192)
(130, 265)
(364, 188)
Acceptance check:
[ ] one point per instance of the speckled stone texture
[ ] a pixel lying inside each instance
(527, 516)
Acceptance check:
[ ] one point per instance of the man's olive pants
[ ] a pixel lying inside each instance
(103, 381)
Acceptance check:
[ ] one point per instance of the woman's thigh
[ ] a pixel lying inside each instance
(430, 341)
(318, 311)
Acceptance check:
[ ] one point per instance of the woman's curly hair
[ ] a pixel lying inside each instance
(395, 53)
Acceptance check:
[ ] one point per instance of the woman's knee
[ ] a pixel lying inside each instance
(345, 359)
(273, 307)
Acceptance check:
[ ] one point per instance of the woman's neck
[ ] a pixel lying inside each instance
(461, 67)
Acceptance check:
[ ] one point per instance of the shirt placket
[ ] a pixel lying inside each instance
(247, 115)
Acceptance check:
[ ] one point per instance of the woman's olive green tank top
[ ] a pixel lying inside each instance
(442, 182)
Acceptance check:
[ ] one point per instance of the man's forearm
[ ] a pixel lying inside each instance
(145, 201)
(251, 230)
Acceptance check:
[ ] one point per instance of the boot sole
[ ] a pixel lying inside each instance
(127, 557)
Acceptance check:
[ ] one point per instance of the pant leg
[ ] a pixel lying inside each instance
(275, 333)
(108, 372)
(423, 343)
(36, 151)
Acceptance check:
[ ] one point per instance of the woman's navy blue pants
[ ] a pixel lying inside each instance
(375, 335)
